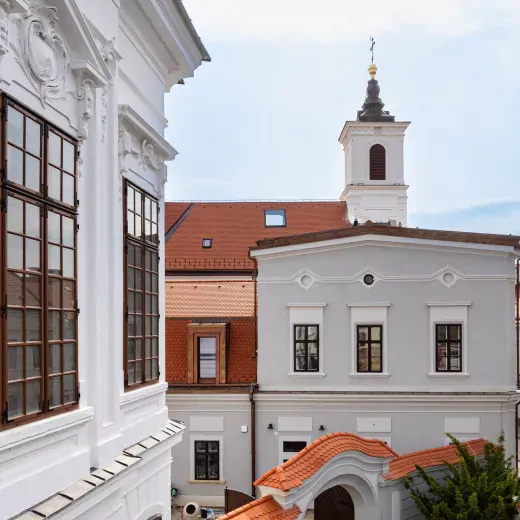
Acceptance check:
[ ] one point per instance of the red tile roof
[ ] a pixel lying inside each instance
(235, 227)
(404, 465)
(209, 299)
(292, 473)
(263, 508)
(172, 212)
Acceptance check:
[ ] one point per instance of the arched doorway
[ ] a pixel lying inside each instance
(334, 503)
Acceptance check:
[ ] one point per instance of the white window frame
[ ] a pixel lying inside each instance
(306, 314)
(455, 313)
(207, 437)
(290, 438)
(368, 314)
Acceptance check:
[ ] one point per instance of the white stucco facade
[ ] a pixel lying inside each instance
(98, 70)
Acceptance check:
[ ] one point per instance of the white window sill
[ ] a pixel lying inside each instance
(143, 392)
(206, 481)
(449, 374)
(45, 427)
(306, 374)
(370, 374)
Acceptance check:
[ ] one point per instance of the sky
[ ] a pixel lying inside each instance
(262, 120)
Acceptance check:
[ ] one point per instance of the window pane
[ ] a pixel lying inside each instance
(442, 332)
(131, 350)
(32, 220)
(68, 156)
(15, 326)
(155, 238)
(54, 144)
(131, 377)
(32, 291)
(312, 349)
(32, 325)
(148, 261)
(32, 255)
(312, 363)
(14, 363)
(138, 325)
(54, 293)
(68, 231)
(363, 333)
(155, 368)
(300, 332)
(14, 165)
(301, 363)
(138, 371)
(69, 301)
(300, 349)
(131, 302)
(54, 260)
(207, 358)
(68, 189)
(33, 396)
(68, 263)
(155, 347)
(155, 326)
(69, 325)
(14, 252)
(54, 183)
(154, 283)
(148, 348)
(363, 358)
(442, 362)
(55, 391)
(53, 325)
(274, 217)
(131, 326)
(138, 259)
(69, 388)
(455, 332)
(148, 230)
(138, 204)
(147, 208)
(138, 280)
(213, 466)
(130, 198)
(213, 447)
(32, 361)
(15, 126)
(15, 400)
(312, 333)
(375, 333)
(155, 303)
(138, 349)
(14, 289)
(200, 467)
(69, 357)
(293, 446)
(148, 369)
(32, 173)
(53, 227)
(154, 211)
(15, 215)
(54, 359)
(138, 229)
(33, 132)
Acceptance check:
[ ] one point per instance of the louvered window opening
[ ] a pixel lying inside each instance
(377, 163)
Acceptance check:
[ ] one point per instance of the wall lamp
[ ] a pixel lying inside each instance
(270, 427)
(321, 428)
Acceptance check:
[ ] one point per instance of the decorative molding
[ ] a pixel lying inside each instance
(85, 98)
(150, 158)
(5, 7)
(41, 52)
(104, 109)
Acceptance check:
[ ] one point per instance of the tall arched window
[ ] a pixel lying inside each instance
(377, 163)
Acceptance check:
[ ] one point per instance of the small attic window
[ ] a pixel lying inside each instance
(207, 243)
(274, 218)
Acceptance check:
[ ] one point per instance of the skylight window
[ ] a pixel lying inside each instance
(274, 218)
(207, 243)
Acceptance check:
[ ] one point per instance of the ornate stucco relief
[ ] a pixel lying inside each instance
(41, 53)
(5, 6)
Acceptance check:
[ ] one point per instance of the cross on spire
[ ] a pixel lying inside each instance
(372, 44)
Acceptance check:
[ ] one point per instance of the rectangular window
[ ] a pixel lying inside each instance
(38, 269)
(306, 348)
(448, 348)
(289, 446)
(142, 287)
(274, 218)
(207, 359)
(369, 348)
(207, 460)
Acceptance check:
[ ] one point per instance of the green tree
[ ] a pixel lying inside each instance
(473, 489)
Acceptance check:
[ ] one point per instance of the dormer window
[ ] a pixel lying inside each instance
(274, 218)
(207, 243)
(377, 163)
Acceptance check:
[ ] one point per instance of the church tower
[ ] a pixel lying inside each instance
(374, 170)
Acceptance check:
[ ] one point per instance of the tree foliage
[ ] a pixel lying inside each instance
(486, 488)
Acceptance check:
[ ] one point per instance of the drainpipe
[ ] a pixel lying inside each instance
(252, 390)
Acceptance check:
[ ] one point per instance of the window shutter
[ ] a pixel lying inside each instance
(377, 163)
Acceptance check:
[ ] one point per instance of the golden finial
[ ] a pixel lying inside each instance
(372, 69)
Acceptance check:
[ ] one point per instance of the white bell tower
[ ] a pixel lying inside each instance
(374, 170)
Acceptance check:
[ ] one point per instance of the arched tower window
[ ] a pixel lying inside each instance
(377, 163)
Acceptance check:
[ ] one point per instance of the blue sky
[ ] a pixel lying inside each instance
(261, 121)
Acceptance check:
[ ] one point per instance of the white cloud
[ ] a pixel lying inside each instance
(343, 20)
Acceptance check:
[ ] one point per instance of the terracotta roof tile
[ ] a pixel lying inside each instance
(404, 465)
(209, 299)
(369, 228)
(172, 212)
(236, 226)
(292, 473)
(263, 508)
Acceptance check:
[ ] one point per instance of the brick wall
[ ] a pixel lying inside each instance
(241, 364)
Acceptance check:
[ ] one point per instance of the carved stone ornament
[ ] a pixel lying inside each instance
(86, 107)
(150, 158)
(5, 6)
(41, 52)
(104, 113)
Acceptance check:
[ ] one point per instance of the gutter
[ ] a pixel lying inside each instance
(191, 29)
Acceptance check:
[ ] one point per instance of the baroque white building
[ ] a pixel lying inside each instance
(84, 429)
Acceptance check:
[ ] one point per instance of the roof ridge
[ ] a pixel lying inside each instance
(246, 507)
(448, 447)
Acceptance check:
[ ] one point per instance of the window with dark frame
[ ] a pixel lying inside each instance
(141, 356)
(38, 275)
(377, 163)
(448, 351)
(207, 359)
(274, 218)
(369, 348)
(289, 447)
(306, 348)
(207, 243)
(207, 463)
